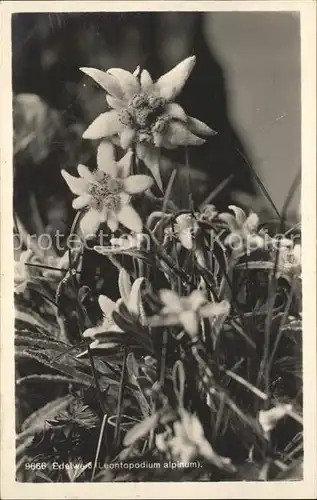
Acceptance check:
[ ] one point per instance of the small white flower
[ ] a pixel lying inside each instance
(185, 229)
(188, 311)
(144, 113)
(244, 234)
(208, 213)
(269, 418)
(58, 263)
(161, 440)
(187, 225)
(188, 442)
(98, 333)
(289, 260)
(21, 271)
(130, 296)
(107, 192)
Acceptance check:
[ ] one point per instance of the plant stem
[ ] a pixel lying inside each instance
(102, 428)
(246, 384)
(94, 374)
(293, 228)
(260, 183)
(81, 321)
(120, 399)
(168, 191)
(135, 165)
(280, 331)
(219, 416)
(216, 191)
(188, 180)
(69, 349)
(163, 358)
(235, 305)
(72, 230)
(272, 288)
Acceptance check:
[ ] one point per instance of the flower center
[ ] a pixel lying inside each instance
(145, 115)
(291, 259)
(160, 125)
(187, 305)
(105, 192)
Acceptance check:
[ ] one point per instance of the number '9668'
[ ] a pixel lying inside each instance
(35, 465)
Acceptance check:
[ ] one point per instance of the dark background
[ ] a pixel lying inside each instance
(245, 85)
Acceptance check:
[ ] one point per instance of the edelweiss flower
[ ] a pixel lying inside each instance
(289, 260)
(244, 234)
(144, 113)
(188, 441)
(21, 271)
(98, 333)
(60, 263)
(107, 192)
(187, 225)
(185, 229)
(208, 213)
(269, 418)
(187, 311)
(131, 296)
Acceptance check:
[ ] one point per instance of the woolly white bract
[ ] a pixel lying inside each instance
(144, 114)
(107, 192)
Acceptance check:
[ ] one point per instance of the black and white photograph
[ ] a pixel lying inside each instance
(157, 207)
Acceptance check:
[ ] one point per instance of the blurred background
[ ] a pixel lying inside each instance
(245, 85)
